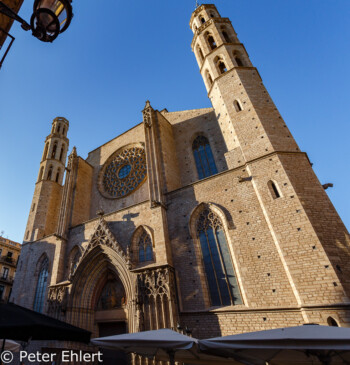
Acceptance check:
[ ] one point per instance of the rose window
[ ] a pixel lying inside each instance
(123, 172)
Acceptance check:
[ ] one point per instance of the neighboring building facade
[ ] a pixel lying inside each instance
(6, 23)
(9, 255)
(211, 218)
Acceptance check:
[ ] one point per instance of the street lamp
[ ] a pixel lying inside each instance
(49, 19)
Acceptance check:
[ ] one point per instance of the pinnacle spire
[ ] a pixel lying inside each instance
(74, 151)
(197, 4)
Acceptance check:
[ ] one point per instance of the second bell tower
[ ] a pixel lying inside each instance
(44, 210)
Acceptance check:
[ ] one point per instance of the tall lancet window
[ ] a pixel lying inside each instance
(39, 299)
(145, 247)
(221, 276)
(204, 157)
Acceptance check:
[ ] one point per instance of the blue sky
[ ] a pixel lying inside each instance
(99, 73)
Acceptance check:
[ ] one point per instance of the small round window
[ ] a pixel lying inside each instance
(124, 171)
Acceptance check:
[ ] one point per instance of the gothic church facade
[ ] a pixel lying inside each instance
(208, 218)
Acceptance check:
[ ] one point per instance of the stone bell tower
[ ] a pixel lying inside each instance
(309, 236)
(250, 122)
(44, 210)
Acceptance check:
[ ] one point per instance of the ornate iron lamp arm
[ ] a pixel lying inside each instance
(4, 9)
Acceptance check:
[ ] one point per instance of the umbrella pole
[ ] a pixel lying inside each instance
(2, 349)
(171, 357)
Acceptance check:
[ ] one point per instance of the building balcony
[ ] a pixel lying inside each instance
(8, 261)
(8, 279)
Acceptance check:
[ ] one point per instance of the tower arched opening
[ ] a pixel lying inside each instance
(61, 153)
(225, 35)
(200, 53)
(49, 174)
(41, 173)
(238, 58)
(58, 175)
(211, 41)
(54, 149)
(220, 64)
(209, 79)
(46, 150)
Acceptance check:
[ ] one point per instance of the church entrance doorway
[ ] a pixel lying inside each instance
(112, 357)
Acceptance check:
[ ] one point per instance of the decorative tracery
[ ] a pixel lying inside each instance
(124, 172)
(156, 301)
(102, 237)
(145, 247)
(221, 276)
(208, 219)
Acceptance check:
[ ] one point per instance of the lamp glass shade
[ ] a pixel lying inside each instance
(50, 17)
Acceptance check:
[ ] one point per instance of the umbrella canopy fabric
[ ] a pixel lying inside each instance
(22, 324)
(147, 343)
(163, 344)
(10, 345)
(308, 344)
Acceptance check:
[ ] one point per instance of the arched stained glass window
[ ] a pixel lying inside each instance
(204, 157)
(39, 299)
(221, 277)
(145, 247)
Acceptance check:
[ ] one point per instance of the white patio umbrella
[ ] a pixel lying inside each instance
(163, 344)
(10, 345)
(308, 344)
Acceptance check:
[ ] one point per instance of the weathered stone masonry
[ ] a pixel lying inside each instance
(286, 245)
